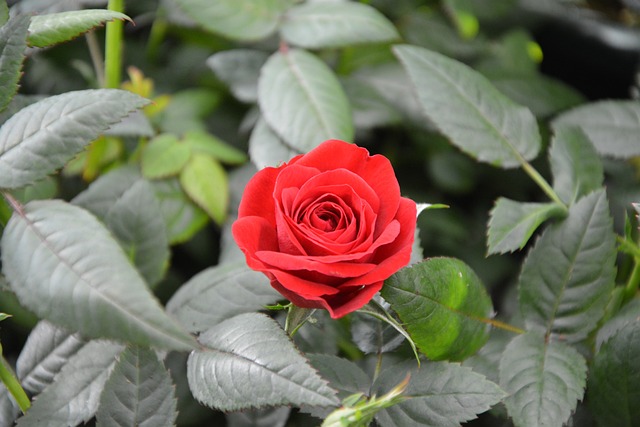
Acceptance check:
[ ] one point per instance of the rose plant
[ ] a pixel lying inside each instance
(232, 232)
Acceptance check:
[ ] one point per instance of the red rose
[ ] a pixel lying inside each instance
(328, 227)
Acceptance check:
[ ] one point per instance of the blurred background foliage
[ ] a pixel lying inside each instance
(550, 55)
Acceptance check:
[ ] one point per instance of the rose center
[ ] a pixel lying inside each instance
(325, 218)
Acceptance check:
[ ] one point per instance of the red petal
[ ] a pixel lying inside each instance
(257, 199)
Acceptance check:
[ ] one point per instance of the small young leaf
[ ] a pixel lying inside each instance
(44, 136)
(239, 69)
(575, 165)
(45, 353)
(205, 181)
(614, 379)
(330, 25)
(50, 29)
(342, 374)
(164, 156)
(13, 42)
(471, 112)
(612, 126)
(73, 398)
(569, 274)
(442, 303)
(439, 394)
(237, 19)
(139, 392)
(249, 362)
(205, 143)
(302, 100)
(82, 284)
(266, 148)
(219, 293)
(512, 223)
(544, 380)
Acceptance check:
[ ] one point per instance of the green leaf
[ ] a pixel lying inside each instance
(266, 149)
(9, 410)
(164, 156)
(513, 223)
(372, 335)
(331, 25)
(47, 350)
(544, 380)
(487, 360)
(139, 392)
(612, 126)
(239, 69)
(343, 375)
(44, 136)
(544, 96)
(302, 100)
(205, 143)
(629, 313)
(569, 274)
(266, 417)
(219, 293)
(181, 216)
(205, 182)
(614, 379)
(443, 305)
(250, 362)
(439, 394)
(50, 29)
(236, 19)
(128, 205)
(467, 109)
(73, 398)
(13, 42)
(575, 165)
(82, 284)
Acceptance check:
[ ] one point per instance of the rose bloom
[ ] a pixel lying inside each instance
(328, 227)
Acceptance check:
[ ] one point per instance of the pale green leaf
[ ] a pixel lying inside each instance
(205, 143)
(219, 293)
(302, 100)
(13, 42)
(139, 392)
(442, 303)
(266, 149)
(205, 182)
(544, 380)
(164, 156)
(370, 108)
(82, 284)
(612, 126)
(513, 223)
(250, 362)
(236, 19)
(569, 274)
(467, 109)
(74, 396)
(47, 350)
(575, 165)
(614, 379)
(330, 25)
(372, 335)
(9, 409)
(44, 136)
(239, 69)
(53, 28)
(439, 394)
(128, 205)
